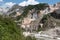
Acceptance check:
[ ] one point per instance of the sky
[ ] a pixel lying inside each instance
(10, 3)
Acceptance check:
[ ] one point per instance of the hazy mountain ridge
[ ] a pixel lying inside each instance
(37, 19)
(27, 10)
(3, 10)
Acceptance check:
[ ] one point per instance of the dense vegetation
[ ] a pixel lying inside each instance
(9, 30)
(30, 38)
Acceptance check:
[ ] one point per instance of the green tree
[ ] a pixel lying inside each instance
(9, 30)
(30, 38)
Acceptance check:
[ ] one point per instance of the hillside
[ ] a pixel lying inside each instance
(51, 26)
(41, 20)
(40, 6)
(51, 20)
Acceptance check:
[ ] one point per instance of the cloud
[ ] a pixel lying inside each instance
(9, 4)
(1, 0)
(23, 3)
(28, 2)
